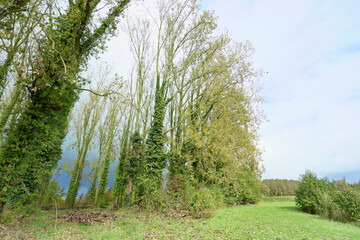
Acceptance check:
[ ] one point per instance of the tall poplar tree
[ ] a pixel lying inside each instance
(86, 121)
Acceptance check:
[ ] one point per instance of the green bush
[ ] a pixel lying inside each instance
(309, 195)
(203, 202)
(336, 200)
(243, 190)
(147, 195)
(347, 197)
(180, 190)
(218, 194)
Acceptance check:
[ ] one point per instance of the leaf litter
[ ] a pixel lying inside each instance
(89, 218)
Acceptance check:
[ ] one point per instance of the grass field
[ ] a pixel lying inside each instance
(279, 199)
(268, 220)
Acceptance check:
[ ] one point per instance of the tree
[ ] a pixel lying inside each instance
(86, 121)
(8, 8)
(33, 145)
(113, 121)
(181, 32)
(205, 103)
(16, 45)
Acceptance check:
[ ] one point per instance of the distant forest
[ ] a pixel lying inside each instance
(279, 187)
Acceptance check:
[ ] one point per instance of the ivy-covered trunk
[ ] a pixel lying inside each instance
(154, 152)
(121, 180)
(92, 191)
(33, 148)
(101, 197)
(72, 191)
(76, 177)
(121, 176)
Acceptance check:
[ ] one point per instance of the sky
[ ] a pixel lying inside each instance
(310, 50)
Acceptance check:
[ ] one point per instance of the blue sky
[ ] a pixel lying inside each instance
(311, 51)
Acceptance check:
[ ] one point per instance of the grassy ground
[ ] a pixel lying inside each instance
(268, 220)
(279, 199)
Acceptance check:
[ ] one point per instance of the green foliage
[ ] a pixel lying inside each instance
(27, 205)
(101, 197)
(133, 171)
(92, 191)
(309, 195)
(336, 200)
(72, 191)
(180, 186)
(202, 111)
(177, 159)
(154, 153)
(38, 135)
(265, 190)
(6, 217)
(243, 189)
(180, 190)
(149, 184)
(148, 196)
(135, 158)
(128, 166)
(121, 180)
(347, 198)
(203, 201)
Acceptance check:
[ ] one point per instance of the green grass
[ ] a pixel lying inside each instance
(279, 199)
(268, 220)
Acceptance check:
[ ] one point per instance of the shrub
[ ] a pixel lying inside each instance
(347, 197)
(218, 194)
(147, 195)
(309, 195)
(180, 190)
(203, 202)
(244, 189)
(336, 200)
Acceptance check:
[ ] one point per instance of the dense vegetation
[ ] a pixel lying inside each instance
(183, 129)
(278, 187)
(336, 200)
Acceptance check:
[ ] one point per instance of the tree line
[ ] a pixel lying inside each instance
(190, 107)
(279, 187)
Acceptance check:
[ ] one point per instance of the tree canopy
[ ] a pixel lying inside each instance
(186, 120)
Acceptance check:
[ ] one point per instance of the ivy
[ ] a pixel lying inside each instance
(33, 147)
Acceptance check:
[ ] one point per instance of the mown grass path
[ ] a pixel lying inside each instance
(270, 220)
(278, 220)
